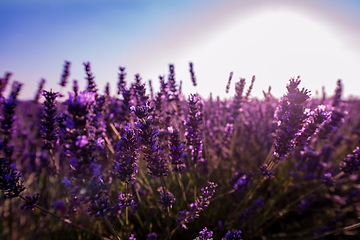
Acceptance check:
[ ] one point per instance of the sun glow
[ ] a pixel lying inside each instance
(273, 45)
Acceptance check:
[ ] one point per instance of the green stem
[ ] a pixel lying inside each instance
(178, 178)
(351, 227)
(111, 228)
(58, 176)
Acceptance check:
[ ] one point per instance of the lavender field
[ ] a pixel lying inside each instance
(156, 164)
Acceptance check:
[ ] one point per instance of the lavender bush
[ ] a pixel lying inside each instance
(161, 165)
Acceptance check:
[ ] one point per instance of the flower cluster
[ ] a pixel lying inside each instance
(205, 235)
(193, 131)
(10, 183)
(240, 180)
(148, 137)
(233, 235)
(167, 199)
(125, 157)
(351, 163)
(290, 117)
(49, 124)
(195, 208)
(176, 151)
(31, 202)
(312, 125)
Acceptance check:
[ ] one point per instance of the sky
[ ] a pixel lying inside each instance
(275, 40)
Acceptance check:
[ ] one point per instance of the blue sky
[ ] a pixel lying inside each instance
(273, 40)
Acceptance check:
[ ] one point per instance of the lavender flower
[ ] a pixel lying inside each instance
(121, 83)
(193, 128)
(332, 123)
(125, 106)
(91, 87)
(151, 90)
(195, 208)
(125, 200)
(8, 118)
(139, 91)
(351, 163)
(3, 82)
(233, 235)
(15, 89)
(40, 90)
(238, 99)
(240, 180)
(266, 172)
(192, 74)
(125, 157)
(229, 82)
(148, 137)
(337, 97)
(31, 202)
(107, 93)
(79, 107)
(98, 203)
(290, 116)
(176, 151)
(10, 183)
(151, 236)
(312, 124)
(167, 200)
(49, 124)
(65, 75)
(75, 88)
(205, 235)
(172, 83)
(328, 180)
(8, 115)
(249, 89)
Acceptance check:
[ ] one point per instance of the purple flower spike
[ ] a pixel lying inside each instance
(151, 236)
(65, 75)
(290, 116)
(3, 82)
(31, 202)
(10, 183)
(192, 74)
(233, 235)
(49, 123)
(351, 163)
(90, 78)
(148, 138)
(81, 141)
(126, 155)
(193, 128)
(195, 208)
(205, 235)
(167, 200)
(176, 151)
(121, 83)
(268, 173)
